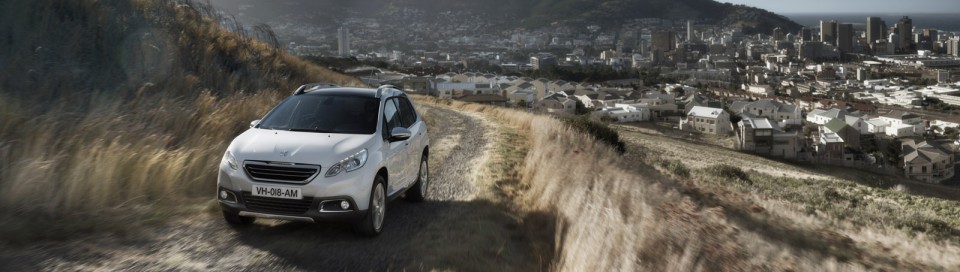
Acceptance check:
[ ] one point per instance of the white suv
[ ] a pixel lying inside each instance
(327, 153)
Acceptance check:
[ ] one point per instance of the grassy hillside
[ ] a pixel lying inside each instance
(110, 109)
(670, 204)
(532, 13)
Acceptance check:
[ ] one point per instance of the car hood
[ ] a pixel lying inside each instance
(296, 147)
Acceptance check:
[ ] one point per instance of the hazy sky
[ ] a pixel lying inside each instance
(854, 6)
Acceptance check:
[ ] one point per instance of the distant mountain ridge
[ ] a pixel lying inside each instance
(535, 13)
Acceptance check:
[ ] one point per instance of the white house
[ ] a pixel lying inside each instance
(784, 114)
(452, 89)
(857, 123)
(761, 90)
(902, 124)
(707, 120)
(821, 116)
(626, 113)
(877, 125)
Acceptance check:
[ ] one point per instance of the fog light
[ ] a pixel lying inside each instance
(223, 195)
(344, 205)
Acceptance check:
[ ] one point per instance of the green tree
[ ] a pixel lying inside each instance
(581, 108)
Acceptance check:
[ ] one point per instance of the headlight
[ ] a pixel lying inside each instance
(349, 164)
(231, 161)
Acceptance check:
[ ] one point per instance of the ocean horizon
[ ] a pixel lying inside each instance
(941, 21)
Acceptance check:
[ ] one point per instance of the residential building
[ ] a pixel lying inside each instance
(522, 92)
(557, 103)
(830, 146)
(699, 100)
(488, 99)
(849, 135)
(877, 126)
(451, 90)
(927, 162)
(662, 105)
(822, 116)
(761, 90)
(707, 120)
(902, 124)
(857, 123)
(764, 137)
(626, 113)
(784, 114)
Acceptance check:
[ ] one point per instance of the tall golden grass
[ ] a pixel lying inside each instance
(90, 132)
(627, 216)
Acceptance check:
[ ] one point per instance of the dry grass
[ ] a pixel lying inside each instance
(95, 134)
(646, 215)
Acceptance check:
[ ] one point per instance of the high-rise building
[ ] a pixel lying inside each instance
(943, 76)
(806, 35)
(828, 32)
(690, 36)
(905, 32)
(778, 34)
(845, 37)
(343, 41)
(875, 27)
(953, 47)
(663, 40)
(927, 39)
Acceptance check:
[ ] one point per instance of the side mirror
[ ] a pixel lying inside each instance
(254, 123)
(400, 134)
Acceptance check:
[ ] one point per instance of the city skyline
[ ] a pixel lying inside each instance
(852, 6)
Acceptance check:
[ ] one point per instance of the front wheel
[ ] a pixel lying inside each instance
(372, 223)
(419, 191)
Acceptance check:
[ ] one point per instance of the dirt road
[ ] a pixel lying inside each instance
(454, 229)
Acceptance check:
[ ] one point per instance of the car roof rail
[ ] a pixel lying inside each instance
(305, 88)
(380, 89)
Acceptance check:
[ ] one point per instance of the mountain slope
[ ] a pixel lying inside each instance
(111, 109)
(528, 13)
(119, 46)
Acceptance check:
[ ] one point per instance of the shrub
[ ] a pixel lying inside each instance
(676, 167)
(599, 130)
(729, 172)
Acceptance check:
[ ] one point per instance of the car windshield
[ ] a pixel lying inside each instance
(325, 114)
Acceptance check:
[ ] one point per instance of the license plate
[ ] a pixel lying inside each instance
(277, 192)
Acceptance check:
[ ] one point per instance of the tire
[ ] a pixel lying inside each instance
(418, 192)
(372, 223)
(235, 219)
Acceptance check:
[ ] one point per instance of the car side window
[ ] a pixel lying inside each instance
(407, 113)
(391, 116)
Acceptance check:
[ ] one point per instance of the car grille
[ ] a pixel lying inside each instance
(277, 205)
(293, 173)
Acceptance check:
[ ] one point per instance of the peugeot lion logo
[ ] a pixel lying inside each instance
(283, 153)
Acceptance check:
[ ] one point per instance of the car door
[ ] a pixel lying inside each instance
(412, 122)
(395, 154)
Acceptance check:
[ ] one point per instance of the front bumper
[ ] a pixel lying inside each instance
(247, 205)
(320, 203)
